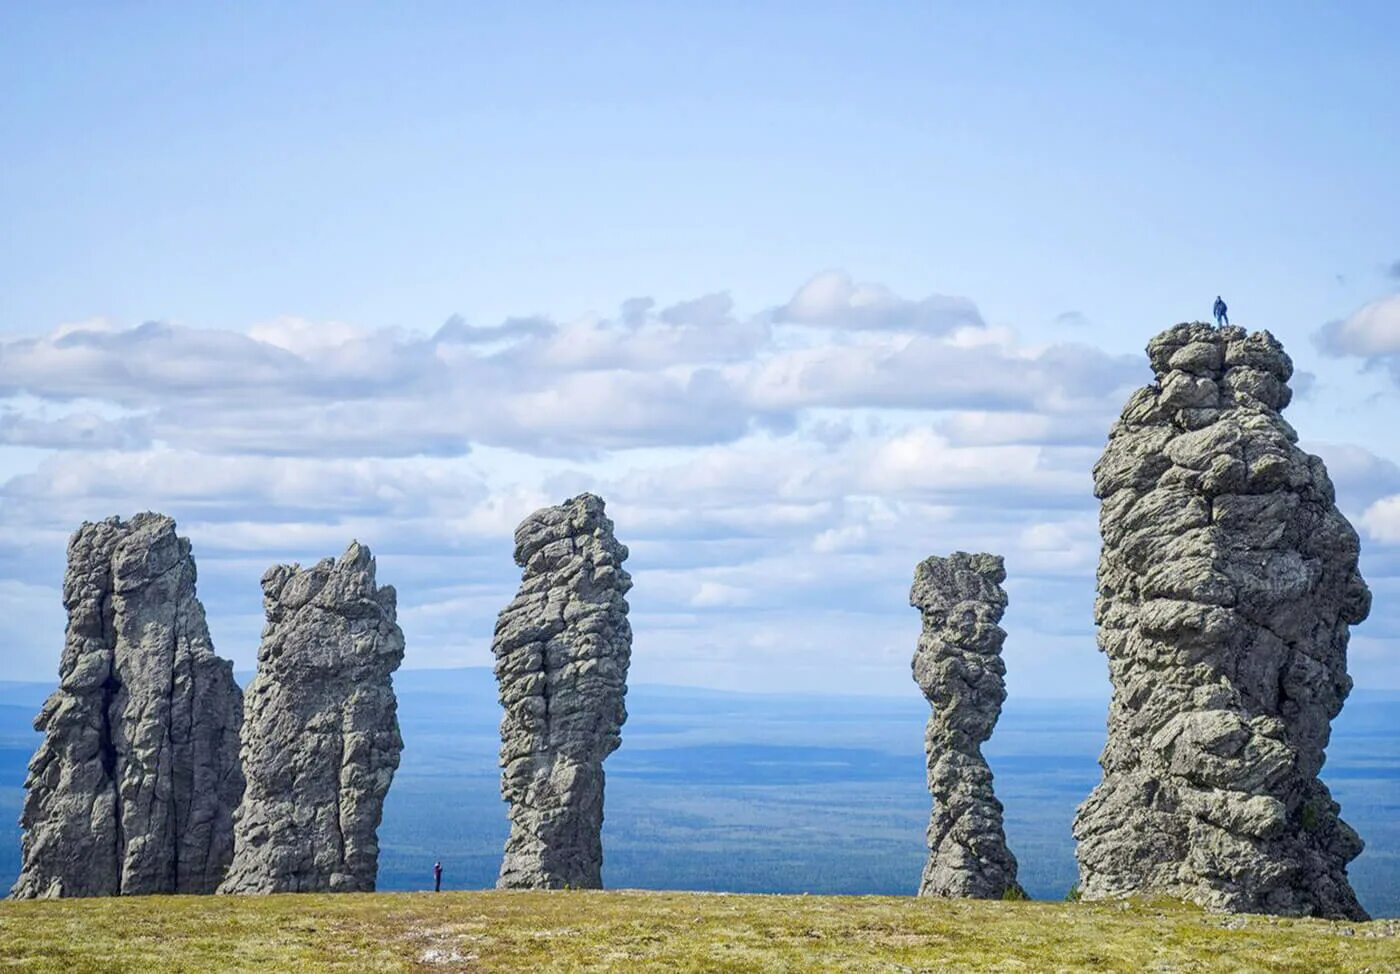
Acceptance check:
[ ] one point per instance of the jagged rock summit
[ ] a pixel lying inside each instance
(959, 668)
(1227, 583)
(321, 734)
(133, 788)
(562, 649)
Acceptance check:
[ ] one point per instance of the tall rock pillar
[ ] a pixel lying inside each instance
(959, 668)
(133, 788)
(320, 733)
(1227, 583)
(562, 648)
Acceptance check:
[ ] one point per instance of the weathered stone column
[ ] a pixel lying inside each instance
(959, 668)
(321, 733)
(133, 788)
(562, 648)
(1227, 583)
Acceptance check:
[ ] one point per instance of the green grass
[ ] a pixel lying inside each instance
(674, 932)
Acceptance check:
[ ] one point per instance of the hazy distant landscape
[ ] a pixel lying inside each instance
(770, 793)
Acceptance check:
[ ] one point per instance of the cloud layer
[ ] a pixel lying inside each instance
(776, 474)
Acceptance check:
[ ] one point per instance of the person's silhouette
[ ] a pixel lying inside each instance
(437, 877)
(1222, 313)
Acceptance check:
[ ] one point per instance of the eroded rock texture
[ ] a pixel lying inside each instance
(562, 648)
(133, 788)
(321, 733)
(959, 668)
(1227, 583)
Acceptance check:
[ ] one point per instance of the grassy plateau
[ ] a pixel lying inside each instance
(644, 931)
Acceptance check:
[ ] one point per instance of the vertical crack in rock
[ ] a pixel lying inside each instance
(1227, 582)
(133, 788)
(321, 733)
(959, 668)
(562, 648)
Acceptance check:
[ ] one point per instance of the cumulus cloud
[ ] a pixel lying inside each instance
(1381, 520)
(937, 374)
(73, 431)
(833, 300)
(1360, 476)
(988, 428)
(776, 474)
(693, 373)
(1371, 332)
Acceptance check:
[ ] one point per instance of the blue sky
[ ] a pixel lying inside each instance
(902, 260)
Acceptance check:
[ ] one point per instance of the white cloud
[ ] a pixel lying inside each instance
(692, 373)
(776, 475)
(307, 338)
(74, 430)
(711, 595)
(1371, 332)
(1382, 520)
(833, 300)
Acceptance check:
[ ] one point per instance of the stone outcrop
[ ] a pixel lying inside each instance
(1227, 582)
(562, 648)
(320, 732)
(133, 788)
(959, 668)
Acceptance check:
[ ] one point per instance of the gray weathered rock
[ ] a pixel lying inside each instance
(133, 788)
(320, 734)
(1227, 583)
(562, 648)
(959, 668)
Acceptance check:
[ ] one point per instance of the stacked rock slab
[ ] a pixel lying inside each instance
(1227, 582)
(133, 788)
(959, 668)
(320, 731)
(562, 648)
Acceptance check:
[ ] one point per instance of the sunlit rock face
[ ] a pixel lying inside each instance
(321, 733)
(133, 788)
(1227, 583)
(562, 649)
(959, 668)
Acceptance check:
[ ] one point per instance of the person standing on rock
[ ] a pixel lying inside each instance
(1222, 313)
(437, 877)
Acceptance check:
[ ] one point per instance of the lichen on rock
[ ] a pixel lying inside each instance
(562, 648)
(133, 788)
(321, 735)
(1227, 583)
(959, 668)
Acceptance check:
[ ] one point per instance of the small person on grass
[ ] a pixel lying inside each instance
(437, 877)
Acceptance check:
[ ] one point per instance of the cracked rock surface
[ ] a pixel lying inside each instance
(562, 649)
(321, 734)
(959, 668)
(133, 788)
(1227, 583)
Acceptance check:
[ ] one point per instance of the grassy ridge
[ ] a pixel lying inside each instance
(674, 932)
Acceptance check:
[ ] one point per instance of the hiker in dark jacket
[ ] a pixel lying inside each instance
(437, 877)
(1222, 316)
